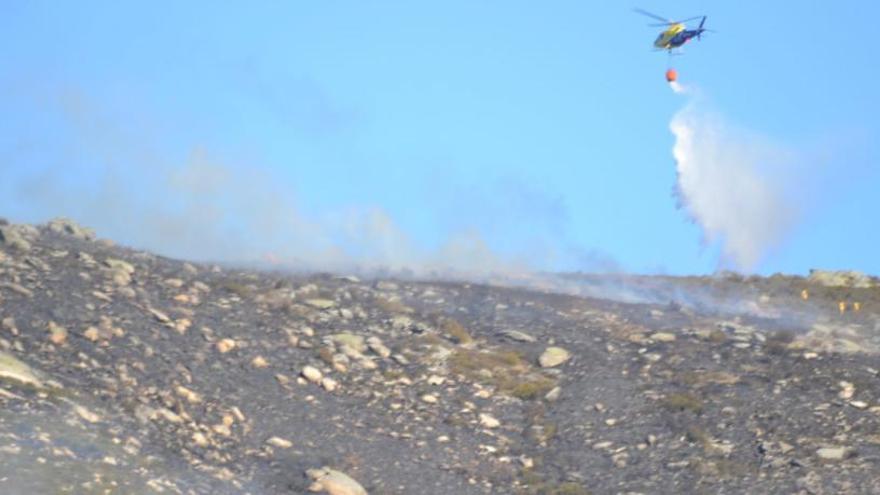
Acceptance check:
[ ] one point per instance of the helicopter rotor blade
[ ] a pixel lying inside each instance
(690, 19)
(653, 16)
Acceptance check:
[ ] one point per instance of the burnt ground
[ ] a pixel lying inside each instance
(126, 372)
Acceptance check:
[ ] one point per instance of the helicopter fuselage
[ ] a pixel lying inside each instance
(675, 36)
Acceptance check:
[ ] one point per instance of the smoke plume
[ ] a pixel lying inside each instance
(204, 205)
(736, 185)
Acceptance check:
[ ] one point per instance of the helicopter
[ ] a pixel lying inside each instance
(676, 33)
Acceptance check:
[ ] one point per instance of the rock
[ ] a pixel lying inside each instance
(553, 395)
(65, 226)
(279, 442)
(225, 345)
(92, 334)
(117, 264)
(57, 333)
(329, 384)
(854, 279)
(320, 303)
(832, 453)
(517, 336)
(182, 325)
(200, 439)
(553, 356)
(401, 322)
(259, 362)
(334, 482)
(489, 421)
(85, 414)
(162, 317)
(663, 337)
(8, 324)
(429, 398)
(312, 374)
(17, 371)
(355, 342)
(10, 237)
(17, 288)
(188, 394)
(378, 347)
(847, 390)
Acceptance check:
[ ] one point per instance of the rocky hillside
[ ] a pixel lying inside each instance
(125, 372)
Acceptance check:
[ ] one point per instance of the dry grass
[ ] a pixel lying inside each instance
(326, 355)
(393, 374)
(778, 342)
(236, 287)
(506, 370)
(717, 337)
(391, 306)
(531, 389)
(535, 485)
(456, 331)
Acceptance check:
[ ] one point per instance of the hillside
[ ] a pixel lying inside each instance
(126, 372)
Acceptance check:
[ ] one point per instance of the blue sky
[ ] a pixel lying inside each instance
(538, 127)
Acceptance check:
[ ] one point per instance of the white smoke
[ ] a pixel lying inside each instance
(737, 186)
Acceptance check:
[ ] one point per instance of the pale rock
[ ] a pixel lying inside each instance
(379, 348)
(553, 356)
(553, 395)
(354, 342)
(832, 453)
(489, 421)
(847, 390)
(320, 303)
(189, 395)
(182, 325)
(517, 336)
(279, 442)
(57, 333)
(162, 317)
(92, 334)
(200, 439)
(334, 482)
(663, 337)
(225, 345)
(66, 226)
(312, 374)
(401, 322)
(329, 384)
(13, 369)
(85, 414)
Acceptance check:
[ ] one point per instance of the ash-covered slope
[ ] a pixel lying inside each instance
(124, 372)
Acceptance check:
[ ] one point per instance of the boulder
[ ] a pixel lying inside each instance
(553, 356)
(334, 482)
